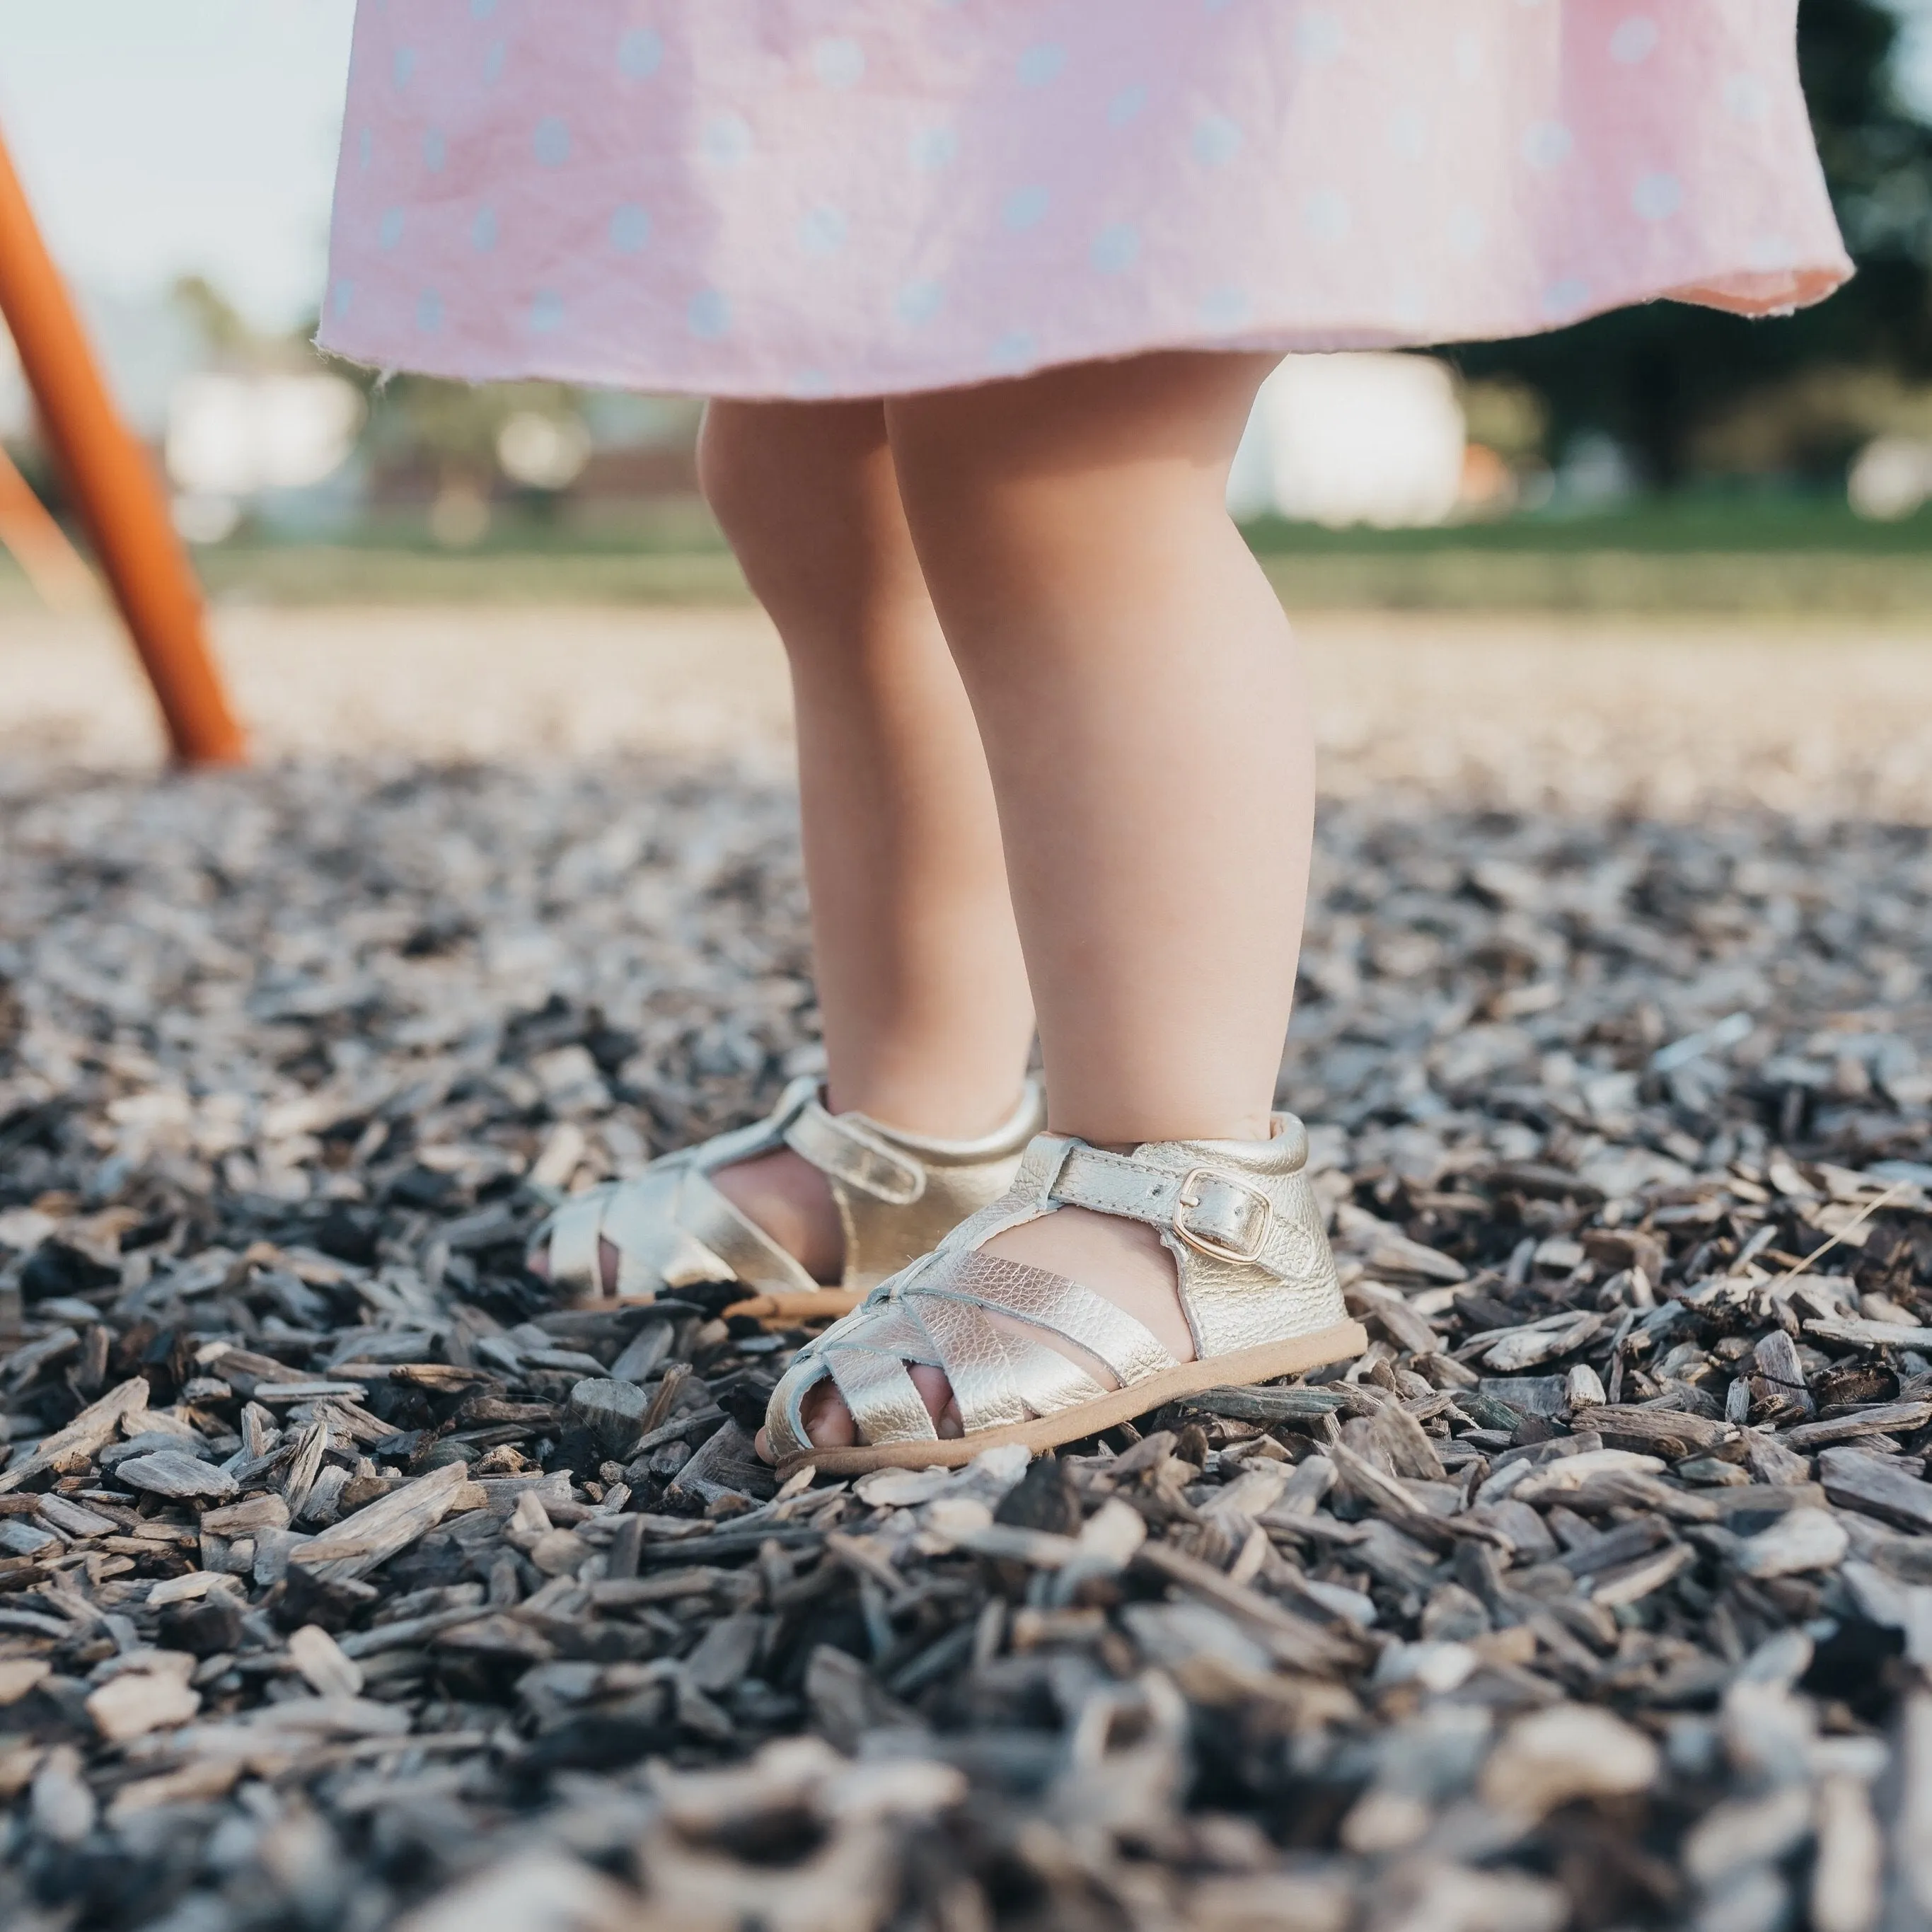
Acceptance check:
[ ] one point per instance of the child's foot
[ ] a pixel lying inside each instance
(785, 1208)
(781, 1193)
(1103, 1284)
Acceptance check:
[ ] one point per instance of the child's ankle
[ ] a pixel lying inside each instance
(788, 1198)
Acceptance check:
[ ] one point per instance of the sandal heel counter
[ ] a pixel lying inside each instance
(1290, 1288)
(960, 1178)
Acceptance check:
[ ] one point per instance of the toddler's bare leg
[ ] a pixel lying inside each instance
(927, 1018)
(1138, 693)
(921, 988)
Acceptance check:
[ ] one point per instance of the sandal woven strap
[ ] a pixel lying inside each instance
(945, 1320)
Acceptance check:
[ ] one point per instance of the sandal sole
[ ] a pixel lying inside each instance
(787, 1310)
(1244, 1366)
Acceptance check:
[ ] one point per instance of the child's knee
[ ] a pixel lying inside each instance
(745, 488)
(780, 474)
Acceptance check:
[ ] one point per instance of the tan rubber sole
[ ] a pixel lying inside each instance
(1048, 1432)
(774, 1311)
(788, 1310)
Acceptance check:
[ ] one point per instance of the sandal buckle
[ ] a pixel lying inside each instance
(1206, 1244)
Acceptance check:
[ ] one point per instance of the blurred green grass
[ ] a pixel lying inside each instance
(1754, 555)
(1734, 554)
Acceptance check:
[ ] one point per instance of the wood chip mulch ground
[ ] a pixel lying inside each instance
(344, 1583)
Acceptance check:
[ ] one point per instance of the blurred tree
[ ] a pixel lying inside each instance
(448, 430)
(222, 325)
(1660, 377)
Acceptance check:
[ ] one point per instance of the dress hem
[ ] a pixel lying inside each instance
(1750, 294)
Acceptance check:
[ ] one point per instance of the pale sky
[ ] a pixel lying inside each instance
(161, 138)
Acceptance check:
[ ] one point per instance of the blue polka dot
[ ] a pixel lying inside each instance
(404, 65)
(1225, 309)
(821, 231)
(1547, 144)
(434, 151)
(1126, 105)
(640, 53)
(1116, 248)
(389, 229)
(1635, 40)
(1565, 298)
(1013, 350)
(1409, 134)
(726, 141)
(1318, 37)
(343, 294)
(1217, 140)
(630, 228)
(551, 141)
(483, 230)
(546, 312)
(1325, 214)
(708, 315)
(920, 301)
(493, 57)
(1025, 208)
(839, 63)
(932, 148)
(482, 10)
(1042, 62)
(1656, 197)
(809, 385)
(365, 149)
(1466, 229)
(429, 311)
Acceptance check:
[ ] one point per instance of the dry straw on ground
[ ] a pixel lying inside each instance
(342, 1582)
(1592, 715)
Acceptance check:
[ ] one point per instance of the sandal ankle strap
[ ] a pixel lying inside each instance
(1215, 1210)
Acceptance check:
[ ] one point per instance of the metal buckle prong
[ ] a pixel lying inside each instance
(1189, 1197)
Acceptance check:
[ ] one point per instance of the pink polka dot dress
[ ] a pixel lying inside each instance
(811, 198)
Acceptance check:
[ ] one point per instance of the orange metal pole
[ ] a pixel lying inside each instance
(119, 497)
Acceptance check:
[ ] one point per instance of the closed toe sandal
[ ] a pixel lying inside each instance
(1256, 1278)
(897, 1194)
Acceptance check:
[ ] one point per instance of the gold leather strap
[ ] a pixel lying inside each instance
(886, 1406)
(945, 1316)
(744, 1247)
(839, 1147)
(973, 1353)
(1046, 1300)
(1220, 1212)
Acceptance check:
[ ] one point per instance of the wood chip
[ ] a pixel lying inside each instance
(358, 1543)
(140, 1701)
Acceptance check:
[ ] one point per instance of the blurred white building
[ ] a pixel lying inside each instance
(1890, 478)
(1353, 439)
(234, 438)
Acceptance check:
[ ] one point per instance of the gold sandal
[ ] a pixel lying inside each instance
(897, 1194)
(1255, 1277)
